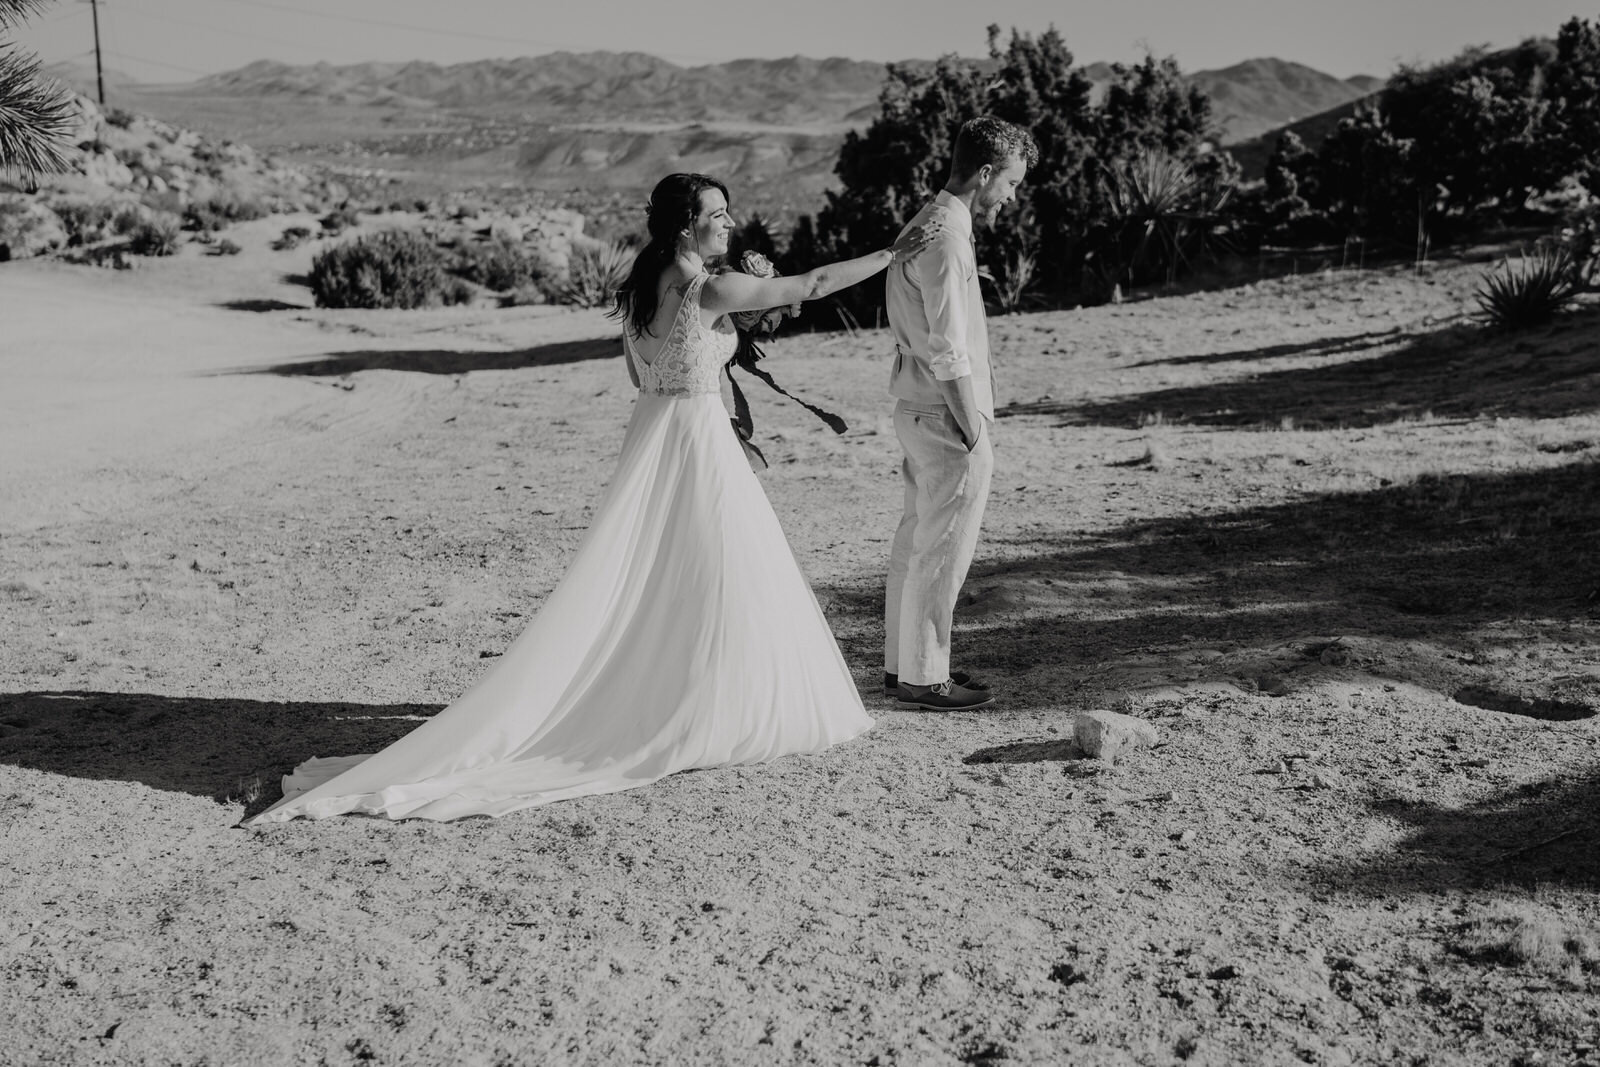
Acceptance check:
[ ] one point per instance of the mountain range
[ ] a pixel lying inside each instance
(565, 119)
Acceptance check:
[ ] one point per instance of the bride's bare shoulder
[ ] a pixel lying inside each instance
(675, 279)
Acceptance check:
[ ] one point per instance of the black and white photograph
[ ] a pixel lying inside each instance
(888, 534)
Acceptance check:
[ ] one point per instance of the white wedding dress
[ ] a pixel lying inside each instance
(682, 636)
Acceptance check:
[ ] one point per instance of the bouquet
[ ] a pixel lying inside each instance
(762, 323)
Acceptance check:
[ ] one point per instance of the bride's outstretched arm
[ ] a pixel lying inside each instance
(727, 293)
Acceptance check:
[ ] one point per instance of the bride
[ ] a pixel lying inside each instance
(683, 635)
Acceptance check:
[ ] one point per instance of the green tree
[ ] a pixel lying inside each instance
(34, 114)
(1572, 90)
(903, 158)
(1476, 122)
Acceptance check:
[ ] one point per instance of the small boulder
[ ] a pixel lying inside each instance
(1107, 734)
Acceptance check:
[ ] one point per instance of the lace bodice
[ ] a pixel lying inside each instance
(692, 357)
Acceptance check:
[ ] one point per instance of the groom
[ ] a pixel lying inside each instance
(945, 405)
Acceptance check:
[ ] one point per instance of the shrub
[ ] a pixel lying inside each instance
(499, 265)
(157, 236)
(128, 218)
(456, 291)
(293, 237)
(86, 221)
(217, 212)
(392, 269)
(1082, 133)
(1013, 282)
(119, 118)
(594, 274)
(339, 220)
(204, 218)
(1530, 292)
(1581, 236)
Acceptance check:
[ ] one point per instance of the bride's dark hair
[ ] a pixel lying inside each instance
(674, 205)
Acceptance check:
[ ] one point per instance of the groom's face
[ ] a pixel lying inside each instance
(998, 190)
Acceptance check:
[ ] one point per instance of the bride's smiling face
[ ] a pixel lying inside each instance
(713, 226)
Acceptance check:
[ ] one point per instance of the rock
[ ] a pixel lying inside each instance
(1107, 734)
(1272, 685)
(104, 168)
(1327, 778)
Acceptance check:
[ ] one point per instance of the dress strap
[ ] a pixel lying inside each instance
(689, 309)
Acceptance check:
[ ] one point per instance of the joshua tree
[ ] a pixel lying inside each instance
(34, 113)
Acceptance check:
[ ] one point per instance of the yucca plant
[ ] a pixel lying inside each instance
(1013, 281)
(595, 274)
(35, 114)
(1159, 205)
(1531, 291)
(157, 236)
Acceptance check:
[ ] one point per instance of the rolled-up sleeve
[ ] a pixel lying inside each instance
(944, 299)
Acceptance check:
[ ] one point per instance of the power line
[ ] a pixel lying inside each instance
(143, 13)
(159, 63)
(436, 31)
(431, 30)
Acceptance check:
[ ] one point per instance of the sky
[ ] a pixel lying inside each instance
(178, 40)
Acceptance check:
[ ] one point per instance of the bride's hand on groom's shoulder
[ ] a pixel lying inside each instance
(914, 240)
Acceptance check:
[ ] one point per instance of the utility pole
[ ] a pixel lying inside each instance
(99, 78)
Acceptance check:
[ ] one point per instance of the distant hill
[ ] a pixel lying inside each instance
(1258, 95)
(595, 121)
(583, 87)
(631, 87)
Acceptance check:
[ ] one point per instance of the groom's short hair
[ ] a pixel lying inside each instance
(987, 139)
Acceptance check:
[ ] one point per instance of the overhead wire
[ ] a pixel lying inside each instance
(436, 31)
(107, 31)
(142, 12)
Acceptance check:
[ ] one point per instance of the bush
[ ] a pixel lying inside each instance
(1162, 214)
(1530, 292)
(86, 221)
(903, 157)
(339, 220)
(595, 274)
(128, 218)
(500, 265)
(457, 291)
(1581, 236)
(158, 236)
(392, 269)
(293, 237)
(216, 213)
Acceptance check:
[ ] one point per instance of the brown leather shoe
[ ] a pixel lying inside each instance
(946, 696)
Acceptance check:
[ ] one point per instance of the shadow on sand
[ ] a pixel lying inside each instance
(443, 361)
(210, 747)
(261, 306)
(1541, 832)
(1322, 346)
(1437, 558)
(1459, 371)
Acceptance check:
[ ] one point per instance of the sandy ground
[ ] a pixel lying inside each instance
(1336, 545)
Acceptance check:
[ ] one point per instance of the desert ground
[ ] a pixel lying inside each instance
(1332, 540)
